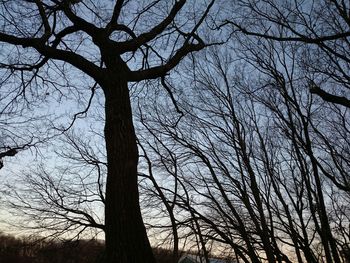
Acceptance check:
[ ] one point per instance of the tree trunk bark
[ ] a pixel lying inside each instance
(126, 238)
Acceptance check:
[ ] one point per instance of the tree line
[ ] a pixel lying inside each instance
(36, 249)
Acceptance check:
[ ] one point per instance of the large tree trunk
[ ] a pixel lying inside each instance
(126, 238)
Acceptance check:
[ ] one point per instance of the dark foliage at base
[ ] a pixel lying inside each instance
(35, 250)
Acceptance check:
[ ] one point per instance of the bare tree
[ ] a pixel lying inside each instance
(61, 200)
(53, 43)
(258, 159)
(321, 27)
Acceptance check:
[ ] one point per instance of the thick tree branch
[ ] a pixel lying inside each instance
(44, 18)
(51, 52)
(44, 59)
(123, 28)
(9, 152)
(330, 97)
(82, 24)
(159, 71)
(134, 44)
(116, 12)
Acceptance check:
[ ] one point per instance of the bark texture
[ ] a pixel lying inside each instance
(126, 238)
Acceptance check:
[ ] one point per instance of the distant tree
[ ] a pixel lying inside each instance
(49, 45)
